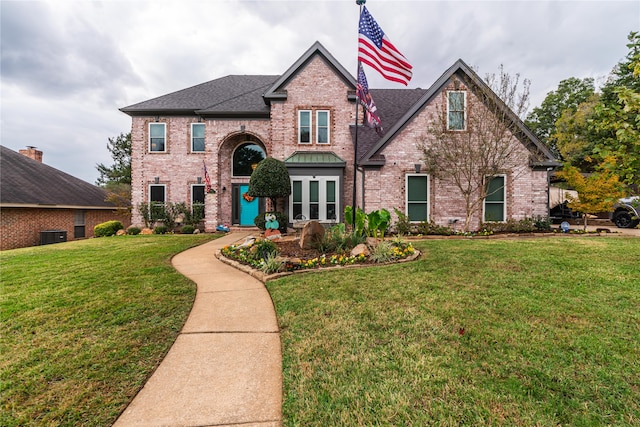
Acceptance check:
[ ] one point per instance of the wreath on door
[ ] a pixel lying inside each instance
(247, 197)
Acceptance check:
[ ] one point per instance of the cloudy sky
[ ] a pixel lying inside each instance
(67, 66)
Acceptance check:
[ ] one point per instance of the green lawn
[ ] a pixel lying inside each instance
(83, 324)
(533, 332)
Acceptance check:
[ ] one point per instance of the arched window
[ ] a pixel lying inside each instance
(246, 157)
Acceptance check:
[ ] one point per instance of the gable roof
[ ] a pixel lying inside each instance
(276, 91)
(230, 96)
(460, 68)
(25, 182)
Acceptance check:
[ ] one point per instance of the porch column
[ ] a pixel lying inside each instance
(210, 212)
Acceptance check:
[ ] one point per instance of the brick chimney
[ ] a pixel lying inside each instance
(32, 153)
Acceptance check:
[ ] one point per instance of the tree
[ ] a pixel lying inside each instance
(570, 94)
(116, 179)
(120, 171)
(573, 138)
(616, 119)
(471, 159)
(597, 192)
(270, 179)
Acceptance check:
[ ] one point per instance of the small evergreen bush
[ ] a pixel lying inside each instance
(187, 229)
(161, 229)
(133, 231)
(109, 228)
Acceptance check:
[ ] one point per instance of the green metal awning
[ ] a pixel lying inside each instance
(314, 159)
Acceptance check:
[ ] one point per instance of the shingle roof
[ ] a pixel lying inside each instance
(228, 95)
(24, 181)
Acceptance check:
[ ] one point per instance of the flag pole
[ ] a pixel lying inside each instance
(355, 152)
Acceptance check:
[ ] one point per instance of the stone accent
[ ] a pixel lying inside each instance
(360, 249)
(312, 233)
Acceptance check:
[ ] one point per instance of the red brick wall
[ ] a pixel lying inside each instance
(21, 227)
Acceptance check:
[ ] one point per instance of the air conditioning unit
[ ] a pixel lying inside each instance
(49, 237)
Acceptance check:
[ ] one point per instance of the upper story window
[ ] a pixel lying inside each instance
(304, 127)
(322, 127)
(157, 137)
(197, 137)
(317, 132)
(246, 158)
(456, 110)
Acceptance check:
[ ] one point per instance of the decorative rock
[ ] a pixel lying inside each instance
(272, 234)
(146, 231)
(196, 231)
(372, 242)
(120, 233)
(360, 249)
(249, 241)
(312, 233)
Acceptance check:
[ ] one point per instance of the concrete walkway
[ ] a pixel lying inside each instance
(225, 368)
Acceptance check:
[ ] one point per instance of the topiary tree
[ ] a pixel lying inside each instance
(270, 179)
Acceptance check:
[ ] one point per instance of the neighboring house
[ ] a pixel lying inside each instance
(305, 117)
(36, 198)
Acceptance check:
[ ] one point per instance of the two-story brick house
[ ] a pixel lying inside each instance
(306, 118)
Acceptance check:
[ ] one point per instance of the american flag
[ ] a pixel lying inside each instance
(362, 90)
(207, 180)
(376, 50)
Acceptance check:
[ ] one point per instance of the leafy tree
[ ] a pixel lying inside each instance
(597, 192)
(573, 138)
(270, 179)
(616, 119)
(120, 171)
(470, 159)
(116, 179)
(570, 94)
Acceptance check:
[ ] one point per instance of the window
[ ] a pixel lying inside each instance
(156, 201)
(314, 198)
(456, 108)
(494, 202)
(197, 137)
(78, 224)
(246, 158)
(322, 127)
(304, 127)
(197, 200)
(417, 197)
(157, 138)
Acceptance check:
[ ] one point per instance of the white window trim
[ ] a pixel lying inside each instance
(310, 126)
(328, 127)
(464, 114)
(322, 197)
(504, 201)
(406, 196)
(164, 125)
(192, 137)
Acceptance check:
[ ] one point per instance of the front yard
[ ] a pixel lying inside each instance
(476, 332)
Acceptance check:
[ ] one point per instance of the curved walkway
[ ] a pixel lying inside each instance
(225, 368)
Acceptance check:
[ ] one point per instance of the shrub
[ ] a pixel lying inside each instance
(271, 264)
(161, 229)
(187, 229)
(403, 225)
(430, 227)
(108, 228)
(265, 248)
(133, 231)
(382, 252)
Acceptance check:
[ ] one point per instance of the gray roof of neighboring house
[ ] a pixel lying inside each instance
(27, 182)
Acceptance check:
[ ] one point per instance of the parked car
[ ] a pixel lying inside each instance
(626, 213)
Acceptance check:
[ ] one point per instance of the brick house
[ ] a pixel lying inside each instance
(305, 117)
(36, 198)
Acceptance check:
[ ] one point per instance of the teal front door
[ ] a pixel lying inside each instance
(245, 208)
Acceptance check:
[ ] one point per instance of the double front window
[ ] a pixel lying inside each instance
(314, 198)
(313, 126)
